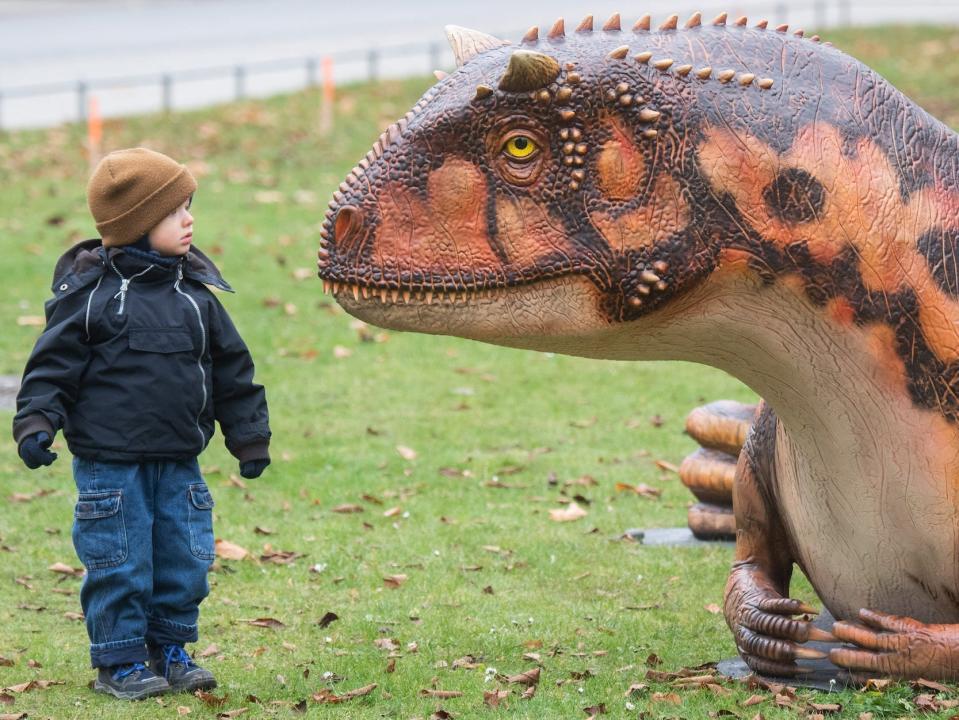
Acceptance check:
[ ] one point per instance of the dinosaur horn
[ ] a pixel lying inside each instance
(467, 43)
(527, 71)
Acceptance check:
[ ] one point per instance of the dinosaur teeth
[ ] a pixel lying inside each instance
(326, 287)
(643, 24)
(366, 292)
(383, 296)
(356, 293)
(429, 297)
(406, 296)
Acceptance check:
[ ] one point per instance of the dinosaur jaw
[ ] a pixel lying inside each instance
(542, 316)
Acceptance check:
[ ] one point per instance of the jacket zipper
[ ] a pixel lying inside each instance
(125, 285)
(199, 362)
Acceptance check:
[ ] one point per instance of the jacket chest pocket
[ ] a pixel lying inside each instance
(160, 340)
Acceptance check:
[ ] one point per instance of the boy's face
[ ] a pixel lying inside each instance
(173, 235)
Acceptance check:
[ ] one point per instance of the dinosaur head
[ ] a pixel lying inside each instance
(541, 190)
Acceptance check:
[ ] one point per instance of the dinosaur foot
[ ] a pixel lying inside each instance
(897, 646)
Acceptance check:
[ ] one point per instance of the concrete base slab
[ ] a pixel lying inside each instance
(673, 537)
(822, 675)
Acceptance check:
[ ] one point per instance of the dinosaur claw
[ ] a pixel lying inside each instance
(822, 635)
(805, 653)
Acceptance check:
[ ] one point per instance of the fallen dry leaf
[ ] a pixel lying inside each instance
(394, 581)
(348, 508)
(183, 710)
(210, 651)
(266, 622)
(568, 514)
(493, 698)
(664, 465)
(406, 453)
(386, 644)
(63, 569)
(329, 697)
(529, 677)
(230, 714)
(230, 551)
(327, 619)
(341, 352)
(441, 694)
(713, 608)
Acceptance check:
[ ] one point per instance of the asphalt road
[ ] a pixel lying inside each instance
(45, 42)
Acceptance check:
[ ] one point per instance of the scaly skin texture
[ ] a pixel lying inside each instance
(731, 195)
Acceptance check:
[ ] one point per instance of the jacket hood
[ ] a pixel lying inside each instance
(83, 262)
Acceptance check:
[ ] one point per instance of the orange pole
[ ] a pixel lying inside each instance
(326, 103)
(94, 131)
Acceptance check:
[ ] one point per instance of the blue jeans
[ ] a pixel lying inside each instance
(144, 532)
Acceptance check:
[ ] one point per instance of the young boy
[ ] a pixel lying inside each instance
(137, 360)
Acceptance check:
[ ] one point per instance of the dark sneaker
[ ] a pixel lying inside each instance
(176, 665)
(130, 682)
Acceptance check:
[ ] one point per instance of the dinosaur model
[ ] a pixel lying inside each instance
(739, 196)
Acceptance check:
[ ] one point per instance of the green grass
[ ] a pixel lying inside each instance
(489, 574)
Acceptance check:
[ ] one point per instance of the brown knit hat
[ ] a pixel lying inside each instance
(132, 190)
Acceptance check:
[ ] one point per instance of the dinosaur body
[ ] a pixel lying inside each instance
(730, 195)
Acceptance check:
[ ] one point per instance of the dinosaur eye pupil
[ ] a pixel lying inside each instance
(521, 143)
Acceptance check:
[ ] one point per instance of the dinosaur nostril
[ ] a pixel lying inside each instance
(348, 222)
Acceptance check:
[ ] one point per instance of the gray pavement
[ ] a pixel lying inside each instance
(58, 41)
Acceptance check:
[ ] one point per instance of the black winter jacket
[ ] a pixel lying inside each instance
(137, 361)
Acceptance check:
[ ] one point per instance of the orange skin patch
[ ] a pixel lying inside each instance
(445, 235)
(665, 212)
(620, 166)
(863, 208)
(527, 232)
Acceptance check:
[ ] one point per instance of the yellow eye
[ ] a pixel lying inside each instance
(520, 147)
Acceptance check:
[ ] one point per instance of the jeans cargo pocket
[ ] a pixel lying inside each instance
(99, 533)
(201, 522)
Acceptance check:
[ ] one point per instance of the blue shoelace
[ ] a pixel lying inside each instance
(175, 654)
(128, 670)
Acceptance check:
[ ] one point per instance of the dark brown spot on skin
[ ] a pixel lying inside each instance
(795, 196)
(938, 247)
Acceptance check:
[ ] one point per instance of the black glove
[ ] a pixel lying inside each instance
(253, 468)
(33, 450)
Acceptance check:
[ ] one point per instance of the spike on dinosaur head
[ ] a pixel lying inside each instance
(467, 43)
(528, 70)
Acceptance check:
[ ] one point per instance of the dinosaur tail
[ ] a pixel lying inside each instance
(720, 428)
